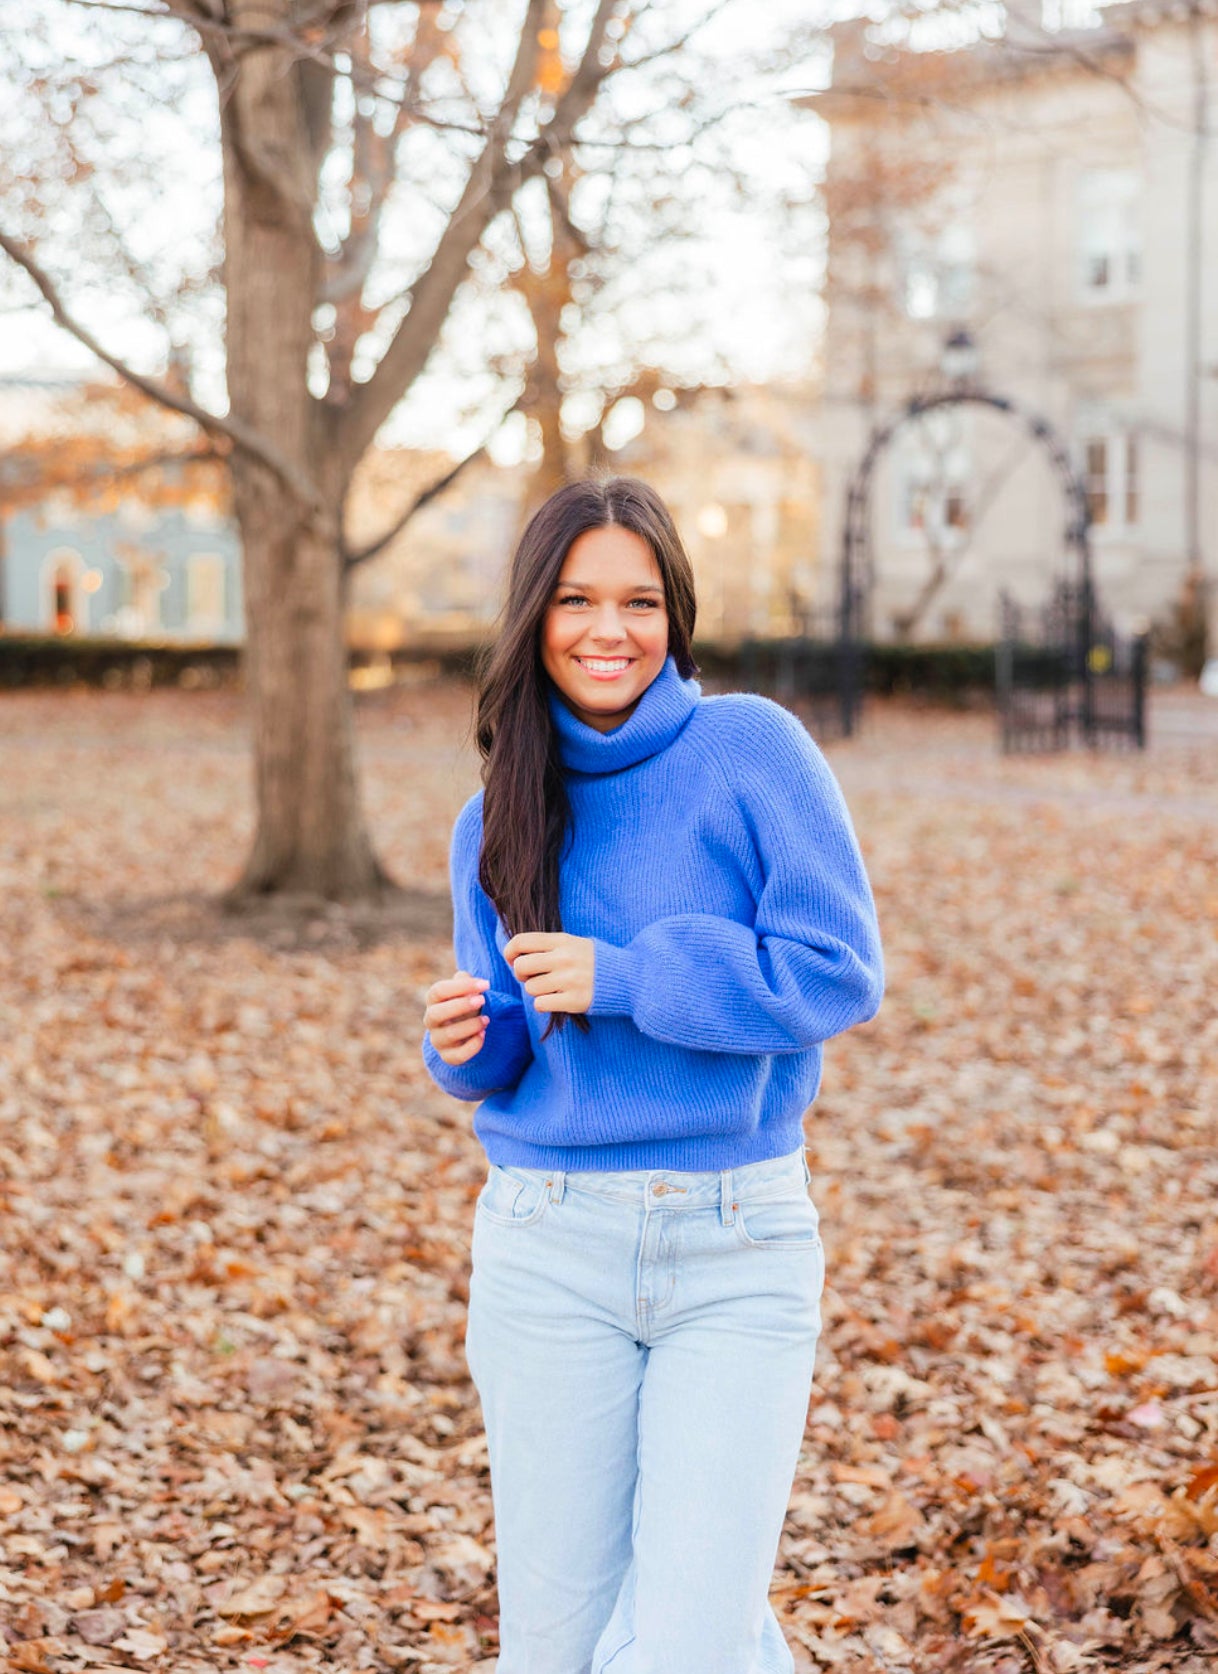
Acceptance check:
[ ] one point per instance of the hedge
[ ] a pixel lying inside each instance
(68, 660)
(944, 672)
(124, 664)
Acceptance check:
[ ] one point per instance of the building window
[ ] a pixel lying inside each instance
(934, 468)
(1110, 477)
(63, 614)
(206, 602)
(1131, 481)
(1095, 454)
(933, 505)
(1109, 234)
(65, 605)
(141, 580)
(937, 272)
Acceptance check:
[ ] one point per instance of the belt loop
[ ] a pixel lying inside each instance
(803, 1157)
(557, 1184)
(725, 1196)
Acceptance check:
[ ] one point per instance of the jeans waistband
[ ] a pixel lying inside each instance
(674, 1188)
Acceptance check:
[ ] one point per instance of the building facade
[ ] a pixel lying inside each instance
(736, 465)
(89, 544)
(1054, 194)
(137, 573)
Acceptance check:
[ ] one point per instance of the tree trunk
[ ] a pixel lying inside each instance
(310, 838)
(546, 295)
(274, 119)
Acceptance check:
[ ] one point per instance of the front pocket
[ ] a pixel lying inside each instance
(780, 1223)
(513, 1197)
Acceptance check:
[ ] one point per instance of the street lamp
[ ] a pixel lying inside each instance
(959, 359)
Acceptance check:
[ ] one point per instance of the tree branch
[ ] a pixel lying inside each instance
(374, 162)
(581, 90)
(376, 547)
(492, 181)
(947, 560)
(372, 402)
(27, 479)
(240, 435)
(680, 41)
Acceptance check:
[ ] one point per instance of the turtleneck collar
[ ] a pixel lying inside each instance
(662, 711)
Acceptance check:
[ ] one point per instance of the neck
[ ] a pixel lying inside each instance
(653, 722)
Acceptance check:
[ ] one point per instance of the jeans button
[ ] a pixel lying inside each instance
(659, 1188)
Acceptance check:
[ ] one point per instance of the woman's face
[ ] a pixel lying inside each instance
(604, 636)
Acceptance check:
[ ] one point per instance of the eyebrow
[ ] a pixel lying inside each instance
(582, 586)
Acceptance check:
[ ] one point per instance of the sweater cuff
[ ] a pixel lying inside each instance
(449, 1078)
(611, 981)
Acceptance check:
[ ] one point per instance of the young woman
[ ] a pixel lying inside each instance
(660, 915)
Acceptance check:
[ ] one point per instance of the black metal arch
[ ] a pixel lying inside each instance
(857, 576)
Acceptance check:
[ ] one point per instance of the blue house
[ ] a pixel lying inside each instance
(138, 573)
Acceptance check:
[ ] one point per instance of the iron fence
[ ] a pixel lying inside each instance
(1065, 675)
(818, 673)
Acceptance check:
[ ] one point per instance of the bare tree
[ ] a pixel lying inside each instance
(609, 253)
(319, 105)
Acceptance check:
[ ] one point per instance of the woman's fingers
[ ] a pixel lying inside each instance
(459, 1051)
(444, 1040)
(562, 999)
(463, 1054)
(459, 1030)
(455, 1018)
(466, 1005)
(450, 988)
(555, 971)
(460, 996)
(530, 942)
(446, 1035)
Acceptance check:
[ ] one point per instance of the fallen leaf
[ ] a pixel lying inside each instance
(141, 1644)
(31, 1655)
(98, 1627)
(303, 1617)
(898, 1523)
(1202, 1481)
(991, 1617)
(257, 1598)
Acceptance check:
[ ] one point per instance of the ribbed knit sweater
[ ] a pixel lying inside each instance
(711, 859)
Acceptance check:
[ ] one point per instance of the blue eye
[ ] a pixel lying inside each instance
(582, 599)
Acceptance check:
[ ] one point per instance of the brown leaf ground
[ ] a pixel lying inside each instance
(237, 1427)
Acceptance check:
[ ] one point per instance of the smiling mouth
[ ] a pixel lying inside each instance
(604, 665)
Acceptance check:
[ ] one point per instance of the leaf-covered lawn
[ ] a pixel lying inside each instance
(237, 1426)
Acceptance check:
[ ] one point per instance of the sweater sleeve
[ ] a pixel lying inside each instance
(507, 1050)
(809, 967)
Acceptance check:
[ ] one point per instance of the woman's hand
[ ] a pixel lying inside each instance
(556, 969)
(454, 1017)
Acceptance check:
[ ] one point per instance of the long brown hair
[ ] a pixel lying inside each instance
(525, 811)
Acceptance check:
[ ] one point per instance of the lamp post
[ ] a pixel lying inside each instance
(958, 361)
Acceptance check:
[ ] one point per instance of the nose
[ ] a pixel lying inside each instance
(607, 629)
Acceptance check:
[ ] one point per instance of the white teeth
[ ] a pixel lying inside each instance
(605, 665)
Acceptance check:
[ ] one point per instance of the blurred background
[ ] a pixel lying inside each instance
(910, 316)
(763, 238)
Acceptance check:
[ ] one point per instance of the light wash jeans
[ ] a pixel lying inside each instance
(643, 1343)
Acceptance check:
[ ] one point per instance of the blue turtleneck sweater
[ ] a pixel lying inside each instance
(711, 859)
